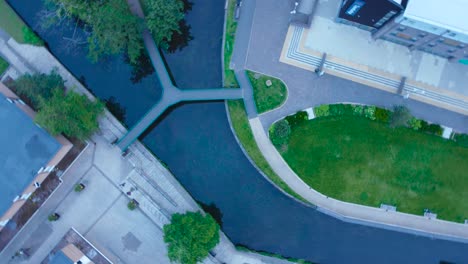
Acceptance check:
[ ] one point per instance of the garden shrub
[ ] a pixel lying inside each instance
(383, 115)
(415, 124)
(279, 132)
(433, 129)
(461, 139)
(400, 117)
(337, 109)
(424, 125)
(322, 110)
(369, 112)
(297, 118)
(358, 110)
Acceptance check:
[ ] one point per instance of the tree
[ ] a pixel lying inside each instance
(162, 18)
(71, 114)
(37, 87)
(114, 29)
(190, 237)
(279, 133)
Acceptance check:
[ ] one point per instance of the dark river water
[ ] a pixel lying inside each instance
(197, 144)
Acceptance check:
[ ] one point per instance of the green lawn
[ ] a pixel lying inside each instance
(267, 97)
(3, 65)
(244, 134)
(14, 25)
(11, 22)
(231, 26)
(354, 159)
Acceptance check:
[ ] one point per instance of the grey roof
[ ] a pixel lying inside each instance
(24, 148)
(446, 14)
(60, 258)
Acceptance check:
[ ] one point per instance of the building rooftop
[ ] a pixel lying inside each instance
(25, 148)
(60, 258)
(446, 14)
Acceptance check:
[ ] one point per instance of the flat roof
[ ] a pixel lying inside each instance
(449, 14)
(24, 149)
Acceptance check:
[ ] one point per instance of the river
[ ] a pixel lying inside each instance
(197, 144)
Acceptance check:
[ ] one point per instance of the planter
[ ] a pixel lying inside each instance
(53, 217)
(79, 187)
(132, 205)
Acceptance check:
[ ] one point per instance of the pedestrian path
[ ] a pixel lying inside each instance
(295, 55)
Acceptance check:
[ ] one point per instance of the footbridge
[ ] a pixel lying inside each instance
(171, 95)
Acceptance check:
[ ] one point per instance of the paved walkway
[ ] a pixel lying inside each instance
(171, 94)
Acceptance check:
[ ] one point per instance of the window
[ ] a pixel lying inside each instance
(401, 28)
(422, 34)
(452, 50)
(432, 44)
(384, 19)
(414, 39)
(462, 46)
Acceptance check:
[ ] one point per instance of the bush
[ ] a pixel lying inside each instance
(53, 217)
(461, 139)
(132, 205)
(369, 112)
(190, 237)
(79, 187)
(297, 118)
(31, 38)
(383, 115)
(358, 110)
(337, 109)
(400, 117)
(322, 110)
(279, 133)
(415, 123)
(433, 129)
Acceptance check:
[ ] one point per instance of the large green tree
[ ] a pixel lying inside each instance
(114, 29)
(37, 87)
(163, 18)
(69, 113)
(190, 237)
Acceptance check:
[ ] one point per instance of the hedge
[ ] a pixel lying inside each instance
(297, 118)
(279, 132)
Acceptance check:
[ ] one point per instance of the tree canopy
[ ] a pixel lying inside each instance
(114, 29)
(37, 87)
(162, 18)
(190, 237)
(71, 114)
